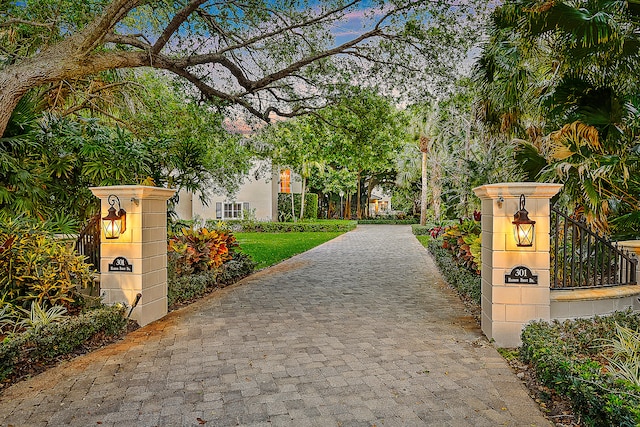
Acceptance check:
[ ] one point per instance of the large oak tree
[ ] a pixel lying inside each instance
(272, 57)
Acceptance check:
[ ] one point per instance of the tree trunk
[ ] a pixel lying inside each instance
(304, 185)
(358, 202)
(347, 209)
(68, 59)
(293, 208)
(370, 185)
(53, 65)
(436, 189)
(423, 192)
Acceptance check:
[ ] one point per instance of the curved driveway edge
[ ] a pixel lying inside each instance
(359, 331)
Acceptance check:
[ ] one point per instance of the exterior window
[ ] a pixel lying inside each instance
(231, 210)
(285, 181)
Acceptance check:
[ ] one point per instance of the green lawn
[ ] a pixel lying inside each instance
(270, 248)
(424, 239)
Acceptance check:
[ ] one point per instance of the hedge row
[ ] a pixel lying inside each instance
(388, 221)
(44, 346)
(465, 281)
(284, 227)
(185, 288)
(421, 230)
(561, 356)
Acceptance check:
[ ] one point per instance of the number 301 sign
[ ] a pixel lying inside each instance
(521, 275)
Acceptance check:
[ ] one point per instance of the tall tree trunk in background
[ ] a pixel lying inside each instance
(293, 207)
(370, 185)
(424, 148)
(358, 202)
(436, 189)
(347, 208)
(304, 187)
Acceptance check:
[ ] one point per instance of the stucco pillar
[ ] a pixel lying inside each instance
(507, 305)
(144, 247)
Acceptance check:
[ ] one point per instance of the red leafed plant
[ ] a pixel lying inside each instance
(196, 250)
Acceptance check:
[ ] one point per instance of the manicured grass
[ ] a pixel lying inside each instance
(270, 248)
(424, 239)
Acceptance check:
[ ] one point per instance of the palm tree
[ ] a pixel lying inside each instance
(562, 75)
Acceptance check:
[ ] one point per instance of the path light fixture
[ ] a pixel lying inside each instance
(523, 226)
(115, 223)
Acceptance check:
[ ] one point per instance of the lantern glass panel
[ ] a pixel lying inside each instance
(112, 228)
(524, 234)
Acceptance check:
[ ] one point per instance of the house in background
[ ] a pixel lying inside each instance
(380, 203)
(257, 196)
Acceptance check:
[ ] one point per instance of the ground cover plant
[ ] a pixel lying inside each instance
(331, 225)
(593, 362)
(270, 248)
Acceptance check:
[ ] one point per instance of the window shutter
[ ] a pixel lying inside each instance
(218, 210)
(245, 206)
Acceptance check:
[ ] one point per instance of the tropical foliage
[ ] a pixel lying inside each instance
(460, 154)
(567, 358)
(36, 268)
(464, 242)
(560, 76)
(49, 162)
(194, 250)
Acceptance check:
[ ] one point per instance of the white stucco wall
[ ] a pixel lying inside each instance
(261, 194)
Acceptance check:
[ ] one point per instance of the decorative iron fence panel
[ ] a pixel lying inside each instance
(88, 243)
(581, 258)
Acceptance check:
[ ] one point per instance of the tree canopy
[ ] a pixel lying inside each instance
(272, 57)
(561, 77)
(360, 135)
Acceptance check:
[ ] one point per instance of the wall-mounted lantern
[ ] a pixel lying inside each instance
(115, 223)
(523, 226)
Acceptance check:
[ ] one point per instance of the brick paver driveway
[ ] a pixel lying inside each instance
(357, 332)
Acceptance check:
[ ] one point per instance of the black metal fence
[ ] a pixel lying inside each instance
(88, 243)
(581, 258)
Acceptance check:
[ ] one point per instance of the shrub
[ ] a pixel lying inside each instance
(185, 288)
(465, 243)
(284, 206)
(195, 250)
(566, 358)
(285, 227)
(36, 267)
(466, 282)
(44, 345)
(37, 318)
(388, 221)
(235, 269)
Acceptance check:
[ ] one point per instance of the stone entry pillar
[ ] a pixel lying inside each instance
(144, 247)
(508, 306)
